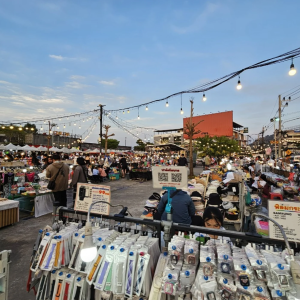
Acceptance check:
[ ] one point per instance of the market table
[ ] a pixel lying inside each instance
(9, 212)
(147, 175)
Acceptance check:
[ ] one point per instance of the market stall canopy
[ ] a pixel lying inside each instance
(171, 147)
(73, 150)
(32, 148)
(2, 147)
(87, 151)
(65, 150)
(54, 149)
(41, 148)
(25, 148)
(11, 147)
(95, 151)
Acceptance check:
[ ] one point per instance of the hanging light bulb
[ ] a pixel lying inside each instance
(203, 98)
(32, 129)
(20, 128)
(147, 107)
(64, 126)
(26, 128)
(138, 113)
(83, 121)
(138, 117)
(44, 122)
(181, 111)
(3, 127)
(42, 128)
(239, 86)
(57, 127)
(79, 127)
(74, 124)
(59, 119)
(128, 111)
(123, 112)
(167, 104)
(116, 117)
(292, 70)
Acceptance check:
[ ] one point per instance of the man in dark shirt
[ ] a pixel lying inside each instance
(123, 164)
(183, 208)
(182, 161)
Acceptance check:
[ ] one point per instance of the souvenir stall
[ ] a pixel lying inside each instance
(119, 257)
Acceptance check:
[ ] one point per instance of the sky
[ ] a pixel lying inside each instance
(68, 56)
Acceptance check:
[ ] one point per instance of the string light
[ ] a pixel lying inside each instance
(42, 128)
(57, 127)
(74, 124)
(128, 111)
(167, 104)
(239, 86)
(20, 128)
(203, 98)
(181, 111)
(64, 126)
(123, 112)
(146, 107)
(3, 127)
(32, 129)
(292, 70)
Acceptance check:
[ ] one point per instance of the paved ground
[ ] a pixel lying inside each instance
(20, 237)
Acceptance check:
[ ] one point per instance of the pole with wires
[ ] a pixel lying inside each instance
(279, 128)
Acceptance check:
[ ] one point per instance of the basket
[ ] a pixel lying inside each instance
(114, 176)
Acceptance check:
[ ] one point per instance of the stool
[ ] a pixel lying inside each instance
(275, 195)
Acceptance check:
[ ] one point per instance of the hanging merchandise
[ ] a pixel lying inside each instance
(123, 267)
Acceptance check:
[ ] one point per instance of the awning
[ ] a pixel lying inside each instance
(169, 147)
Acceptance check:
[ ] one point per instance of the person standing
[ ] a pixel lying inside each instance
(80, 174)
(123, 164)
(207, 161)
(59, 172)
(182, 161)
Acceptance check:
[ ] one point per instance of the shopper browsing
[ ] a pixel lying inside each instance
(80, 174)
(182, 161)
(124, 166)
(59, 172)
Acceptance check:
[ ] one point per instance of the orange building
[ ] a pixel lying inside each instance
(218, 124)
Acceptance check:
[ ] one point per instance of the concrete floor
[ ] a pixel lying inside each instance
(20, 237)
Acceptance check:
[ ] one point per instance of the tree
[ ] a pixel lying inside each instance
(111, 143)
(106, 136)
(217, 146)
(141, 145)
(190, 131)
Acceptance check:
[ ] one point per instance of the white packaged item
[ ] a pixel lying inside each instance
(142, 265)
(48, 261)
(130, 273)
(59, 284)
(78, 287)
(210, 291)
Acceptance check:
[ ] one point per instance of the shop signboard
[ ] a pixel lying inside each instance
(89, 193)
(169, 176)
(246, 130)
(287, 214)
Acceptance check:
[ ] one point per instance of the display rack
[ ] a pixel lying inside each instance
(158, 226)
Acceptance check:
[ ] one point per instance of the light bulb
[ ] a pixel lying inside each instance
(146, 107)
(203, 98)
(128, 111)
(42, 128)
(79, 127)
(32, 129)
(44, 122)
(65, 125)
(3, 127)
(57, 127)
(138, 117)
(116, 117)
(239, 86)
(167, 104)
(123, 112)
(292, 70)
(181, 111)
(74, 124)
(11, 127)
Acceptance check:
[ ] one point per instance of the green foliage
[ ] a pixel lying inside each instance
(216, 146)
(111, 143)
(141, 145)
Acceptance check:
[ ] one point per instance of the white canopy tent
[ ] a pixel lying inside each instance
(74, 150)
(87, 151)
(54, 149)
(11, 147)
(65, 150)
(41, 148)
(95, 151)
(2, 147)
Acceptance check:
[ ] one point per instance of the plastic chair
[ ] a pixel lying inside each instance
(275, 195)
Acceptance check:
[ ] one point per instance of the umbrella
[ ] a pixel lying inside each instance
(10, 147)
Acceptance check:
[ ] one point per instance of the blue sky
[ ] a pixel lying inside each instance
(61, 57)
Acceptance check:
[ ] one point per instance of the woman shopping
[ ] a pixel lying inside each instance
(80, 174)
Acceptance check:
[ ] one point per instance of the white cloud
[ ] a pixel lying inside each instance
(77, 77)
(61, 58)
(107, 82)
(57, 57)
(199, 21)
(75, 85)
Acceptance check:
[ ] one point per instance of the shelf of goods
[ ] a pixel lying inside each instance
(129, 264)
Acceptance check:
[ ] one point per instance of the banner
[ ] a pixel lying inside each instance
(170, 176)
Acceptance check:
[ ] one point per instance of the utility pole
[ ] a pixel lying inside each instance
(275, 139)
(279, 128)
